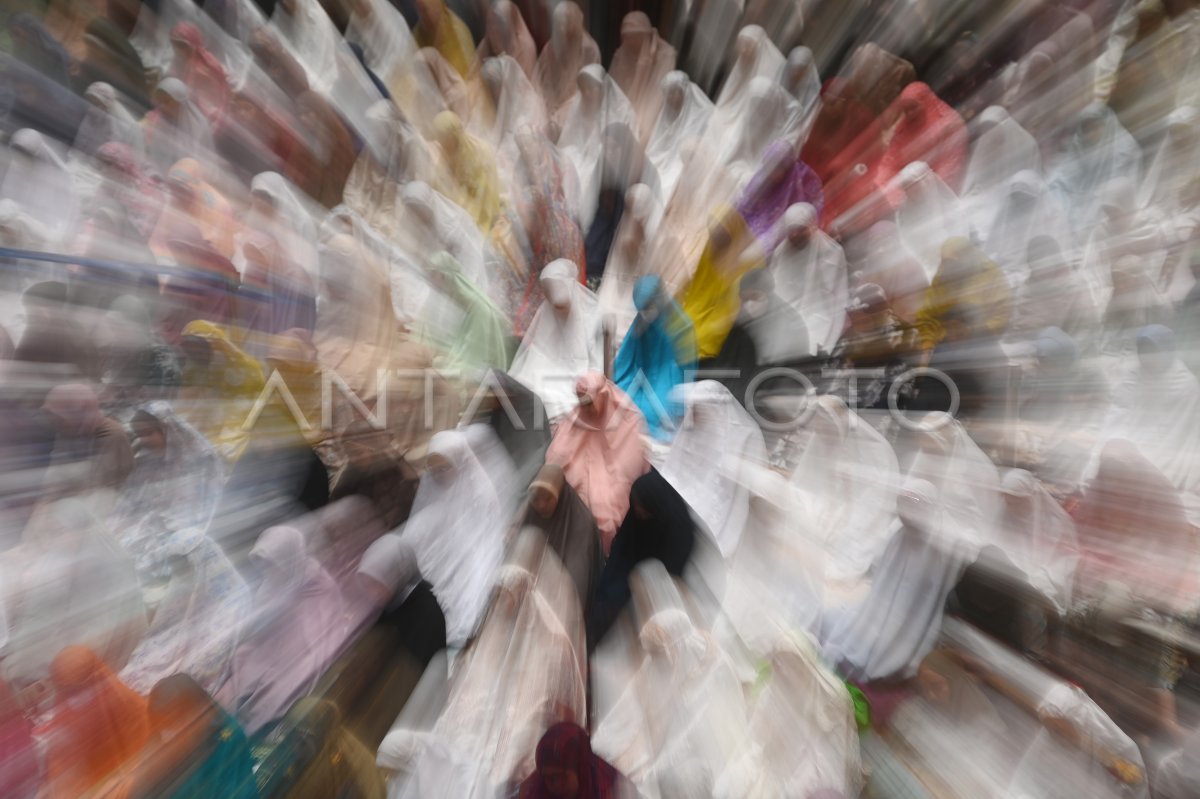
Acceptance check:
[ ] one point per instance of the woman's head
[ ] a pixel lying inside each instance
(591, 389)
(149, 433)
(564, 760)
(546, 490)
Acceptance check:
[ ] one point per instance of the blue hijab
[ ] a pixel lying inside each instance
(655, 356)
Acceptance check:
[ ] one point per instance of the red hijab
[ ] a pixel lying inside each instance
(566, 746)
(928, 130)
(202, 72)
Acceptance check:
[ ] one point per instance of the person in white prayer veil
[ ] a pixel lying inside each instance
(966, 481)
(394, 155)
(432, 223)
(685, 115)
(39, 182)
(929, 214)
(513, 105)
(639, 66)
(755, 57)
(803, 739)
(1099, 150)
(309, 34)
(709, 458)
(1121, 231)
(277, 210)
(522, 674)
(107, 119)
(564, 340)
(599, 103)
(570, 49)
(887, 634)
(1002, 148)
(849, 476)
(1157, 407)
(457, 530)
(176, 128)
(1038, 537)
(1026, 209)
(382, 33)
(800, 79)
(681, 717)
(810, 275)
(629, 259)
(1176, 162)
(769, 115)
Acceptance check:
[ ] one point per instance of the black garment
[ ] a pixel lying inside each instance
(526, 444)
(739, 356)
(668, 535)
(38, 48)
(609, 209)
(420, 622)
(976, 369)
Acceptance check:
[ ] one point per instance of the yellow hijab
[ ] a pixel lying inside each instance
(469, 167)
(442, 30)
(965, 277)
(237, 382)
(712, 299)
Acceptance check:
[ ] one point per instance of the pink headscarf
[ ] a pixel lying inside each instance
(599, 448)
(202, 73)
(298, 629)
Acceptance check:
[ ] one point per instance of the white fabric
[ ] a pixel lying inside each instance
(685, 115)
(39, 182)
(313, 41)
(557, 347)
(383, 34)
(1000, 151)
(1027, 209)
(1175, 164)
(966, 481)
(1038, 537)
(434, 223)
(598, 104)
(394, 154)
(849, 476)
(515, 104)
(1121, 231)
(522, 674)
(107, 119)
(801, 81)
(889, 633)
(391, 562)
(709, 459)
(291, 224)
(929, 214)
(1086, 168)
(457, 530)
(812, 278)
(497, 464)
(627, 261)
(769, 114)
(756, 56)
(682, 716)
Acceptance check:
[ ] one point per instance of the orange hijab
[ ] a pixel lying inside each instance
(99, 723)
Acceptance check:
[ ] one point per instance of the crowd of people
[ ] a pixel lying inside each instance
(738, 400)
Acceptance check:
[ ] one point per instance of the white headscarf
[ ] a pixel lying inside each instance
(457, 530)
(313, 41)
(39, 182)
(627, 260)
(709, 457)
(1176, 162)
(515, 104)
(189, 135)
(292, 225)
(1002, 149)
(929, 215)
(599, 103)
(432, 223)
(196, 623)
(639, 66)
(383, 34)
(849, 476)
(889, 633)
(685, 115)
(801, 81)
(1085, 168)
(966, 482)
(1026, 209)
(812, 278)
(391, 562)
(1038, 537)
(769, 114)
(755, 56)
(557, 349)
(524, 672)
(107, 119)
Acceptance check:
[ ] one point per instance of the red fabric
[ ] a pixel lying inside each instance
(20, 774)
(929, 131)
(203, 74)
(567, 746)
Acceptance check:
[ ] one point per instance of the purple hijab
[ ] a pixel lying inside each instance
(782, 181)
